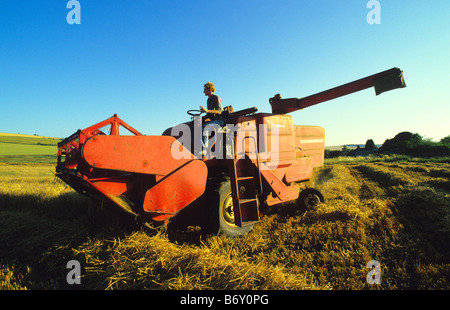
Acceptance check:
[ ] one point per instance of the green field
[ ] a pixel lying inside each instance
(26, 149)
(17, 149)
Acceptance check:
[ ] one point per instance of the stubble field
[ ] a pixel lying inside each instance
(394, 212)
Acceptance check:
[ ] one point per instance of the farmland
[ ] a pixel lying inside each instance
(393, 210)
(15, 148)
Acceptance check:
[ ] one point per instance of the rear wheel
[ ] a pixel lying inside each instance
(310, 198)
(220, 209)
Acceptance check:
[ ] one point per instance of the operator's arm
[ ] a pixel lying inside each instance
(217, 112)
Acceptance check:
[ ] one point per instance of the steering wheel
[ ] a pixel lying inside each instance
(195, 112)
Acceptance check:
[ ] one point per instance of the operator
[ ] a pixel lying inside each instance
(213, 112)
(213, 104)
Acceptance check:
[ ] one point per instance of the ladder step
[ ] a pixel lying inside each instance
(249, 223)
(245, 178)
(241, 201)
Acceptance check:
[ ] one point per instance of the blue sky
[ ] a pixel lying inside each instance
(147, 61)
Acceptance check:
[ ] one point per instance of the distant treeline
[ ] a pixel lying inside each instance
(404, 143)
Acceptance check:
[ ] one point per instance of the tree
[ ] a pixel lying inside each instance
(345, 151)
(414, 144)
(401, 143)
(370, 145)
(445, 141)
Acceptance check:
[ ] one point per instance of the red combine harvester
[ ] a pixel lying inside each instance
(257, 158)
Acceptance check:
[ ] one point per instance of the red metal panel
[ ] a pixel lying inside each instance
(114, 187)
(301, 170)
(290, 193)
(310, 142)
(177, 190)
(246, 139)
(309, 131)
(281, 190)
(310, 148)
(278, 139)
(138, 154)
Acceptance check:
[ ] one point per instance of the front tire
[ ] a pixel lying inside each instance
(220, 206)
